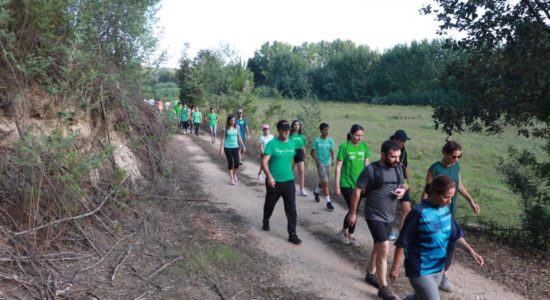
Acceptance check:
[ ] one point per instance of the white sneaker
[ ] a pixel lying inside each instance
(232, 181)
(303, 193)
(260, 177)
(344, 236)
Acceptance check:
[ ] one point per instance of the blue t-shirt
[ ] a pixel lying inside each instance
(425, 235)
(242, 128)
(322, 147)
(231, 138)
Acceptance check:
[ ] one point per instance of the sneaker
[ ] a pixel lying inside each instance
(353, 241)
(317, 198)
(303, 193)
(329, 206)
(260, 177)
(392, 236)
(344, 236)
(372, 280)
(265, 225)
(386, 294)
(232, 181)
(293, 238)
(445, 284)
(235, 178)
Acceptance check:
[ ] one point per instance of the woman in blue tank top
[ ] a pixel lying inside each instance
(230, 143)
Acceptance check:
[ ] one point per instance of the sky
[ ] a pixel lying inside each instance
(245, 25)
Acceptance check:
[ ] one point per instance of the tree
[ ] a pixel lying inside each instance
(505, 81)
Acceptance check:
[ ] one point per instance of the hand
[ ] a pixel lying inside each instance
(394, 273)
(220, 152)
(352, 218)
(271, 182)
(332, 163)
(337, 191)
(477, 258)
(399, 193)
(475, 207)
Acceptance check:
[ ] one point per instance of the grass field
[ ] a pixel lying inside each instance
(481, 153)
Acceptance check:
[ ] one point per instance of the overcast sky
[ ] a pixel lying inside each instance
(247, 24)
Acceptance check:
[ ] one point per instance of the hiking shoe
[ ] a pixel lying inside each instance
(372, 280)
(329, 206)
(344, 236)
(386, 294)
(303, 193)
(393, 235)
(265, 225)
(445, 284)
(317, 198)
(293, 238)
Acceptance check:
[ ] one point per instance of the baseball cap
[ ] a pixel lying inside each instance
(283, 125)
(265, 126)
(401, 135)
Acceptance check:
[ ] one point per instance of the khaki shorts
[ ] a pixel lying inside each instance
(324, 173)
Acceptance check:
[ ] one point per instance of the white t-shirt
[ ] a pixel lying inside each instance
(263, 140)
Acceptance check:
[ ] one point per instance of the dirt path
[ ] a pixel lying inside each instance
(320, 265)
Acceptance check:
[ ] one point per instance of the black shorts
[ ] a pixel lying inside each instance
(379, 230)
(406, 197)
(299, 155)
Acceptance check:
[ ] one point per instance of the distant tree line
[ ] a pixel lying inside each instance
(343, 71)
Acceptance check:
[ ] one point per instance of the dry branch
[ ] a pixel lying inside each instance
(108, 252)
(164, 266)
(121, 262)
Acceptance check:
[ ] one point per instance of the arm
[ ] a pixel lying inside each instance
(314, 156)
(265, 168)
(222, 140)
(429, 178)
(241, 141)
(352, 218)
(462, 190)
(337, 177)
(332, 156)
(463, 244)
(396, 266)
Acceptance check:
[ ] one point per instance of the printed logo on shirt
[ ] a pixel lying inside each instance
(285, 151)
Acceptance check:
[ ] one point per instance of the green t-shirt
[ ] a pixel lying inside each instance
(178, 109)
(196, 115)
(281, 155)
(322, 148)
(299, 140)
(212, 118)
(185, 114)
(353, 162)
(231, 138)
(453, 171)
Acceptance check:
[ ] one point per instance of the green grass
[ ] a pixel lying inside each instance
(481, 153)
(198, 260)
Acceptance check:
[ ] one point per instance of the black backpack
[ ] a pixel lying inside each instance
(378, 181)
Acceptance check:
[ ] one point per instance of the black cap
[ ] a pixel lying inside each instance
(401, 135)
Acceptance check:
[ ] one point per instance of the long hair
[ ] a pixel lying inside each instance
(354, 128)
(292, 131)
(228, 121)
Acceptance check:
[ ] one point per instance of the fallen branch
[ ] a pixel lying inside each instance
(216, 287)
(142, 296)
(62, 220)
(121, 262)
(145, 279)
(108, 252)
(164, 266)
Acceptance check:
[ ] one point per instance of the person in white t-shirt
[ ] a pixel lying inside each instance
(263, 140)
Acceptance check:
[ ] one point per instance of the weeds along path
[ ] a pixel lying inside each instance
(321, 264)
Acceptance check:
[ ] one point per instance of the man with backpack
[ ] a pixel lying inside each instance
(382, 184)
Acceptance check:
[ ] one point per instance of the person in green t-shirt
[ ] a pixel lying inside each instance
(449, 166)
(184, 118)
(322, 152)
(279, 182)
(299, 158)
(196, 115)
(213, 120)
(178, 108)
(353, 156)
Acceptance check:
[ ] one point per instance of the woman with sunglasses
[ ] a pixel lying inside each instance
(230, 141)
(449, 166)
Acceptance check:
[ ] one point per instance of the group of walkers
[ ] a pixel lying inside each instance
(428, 232)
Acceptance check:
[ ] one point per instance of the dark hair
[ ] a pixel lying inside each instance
(281, 123)
(389, 145)
(439, 185)
(211, 108)
(450, 147)
(292, 127)
(323, 126)
(229, 117)
(354, 128)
